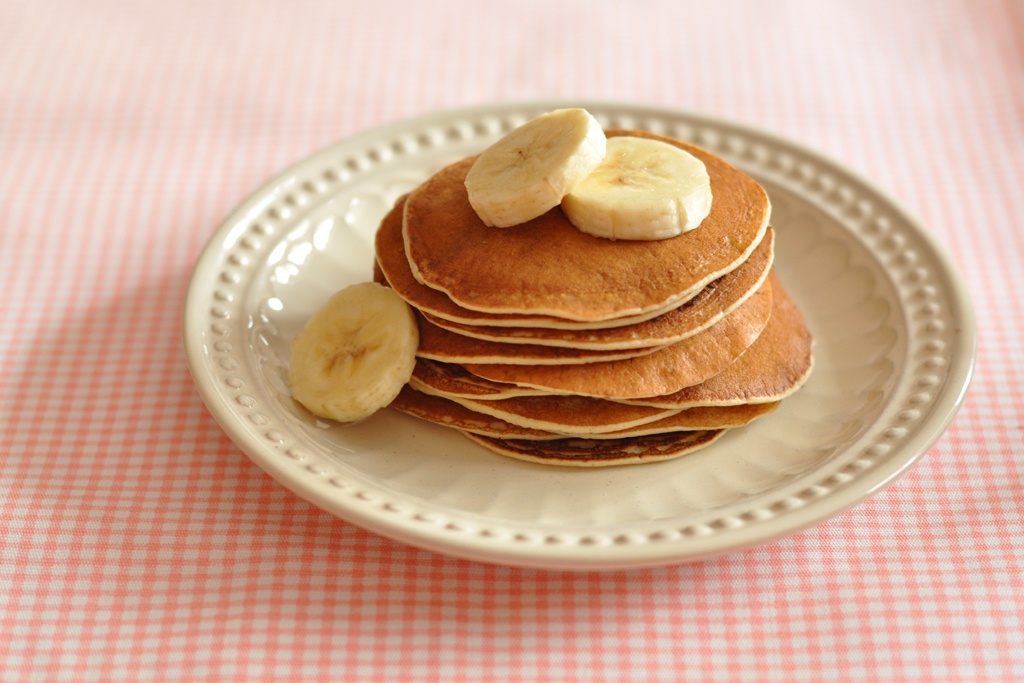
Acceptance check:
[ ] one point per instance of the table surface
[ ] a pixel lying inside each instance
(136, 541)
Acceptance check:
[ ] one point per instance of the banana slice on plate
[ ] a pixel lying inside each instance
(527, 172)
(643, 190)
(355, 353)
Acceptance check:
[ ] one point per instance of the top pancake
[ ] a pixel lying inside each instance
(547, 267)
(389, 245)
(392, 268)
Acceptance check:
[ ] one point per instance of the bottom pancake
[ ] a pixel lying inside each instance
(604, 452)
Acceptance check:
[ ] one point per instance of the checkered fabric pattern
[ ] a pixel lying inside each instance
(136, 542)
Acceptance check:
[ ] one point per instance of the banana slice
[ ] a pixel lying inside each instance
(355, 353)
(643, 190)
(526, 173)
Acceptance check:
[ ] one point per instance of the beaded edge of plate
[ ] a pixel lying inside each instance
(914, 282)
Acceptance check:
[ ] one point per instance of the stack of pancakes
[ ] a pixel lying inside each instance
(547, 344)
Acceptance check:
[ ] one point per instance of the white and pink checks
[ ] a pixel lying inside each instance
(136, 542)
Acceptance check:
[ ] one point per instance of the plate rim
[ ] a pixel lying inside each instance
(496, 550)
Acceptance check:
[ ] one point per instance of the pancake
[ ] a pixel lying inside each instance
(663, 372)
(546, 266)
(601, 453)
(454, 381)
(572, 415)
(776, 364)
(437, 343)
(393, 266)
(710, 305)
(449, 413)
(591, 417)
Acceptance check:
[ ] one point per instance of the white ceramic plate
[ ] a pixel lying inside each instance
(895, 344)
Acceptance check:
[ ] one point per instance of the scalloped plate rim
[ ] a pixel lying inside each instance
(499, 550)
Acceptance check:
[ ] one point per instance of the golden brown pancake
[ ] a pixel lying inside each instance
(437, 343)
(603, 452)
(392, 268)
(665, 371)
(447, 413)
(546, 266)
(458, 416)
(596, 418)
(775, 365)
(567, 415)
(710, 305)
(454, 381)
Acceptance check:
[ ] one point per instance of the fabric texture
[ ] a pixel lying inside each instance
(137, 542)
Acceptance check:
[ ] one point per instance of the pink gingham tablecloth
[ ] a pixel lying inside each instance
(137, 542)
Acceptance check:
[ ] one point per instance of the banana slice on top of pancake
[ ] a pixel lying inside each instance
(527, 172)
(628, 187)
(643, 190)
